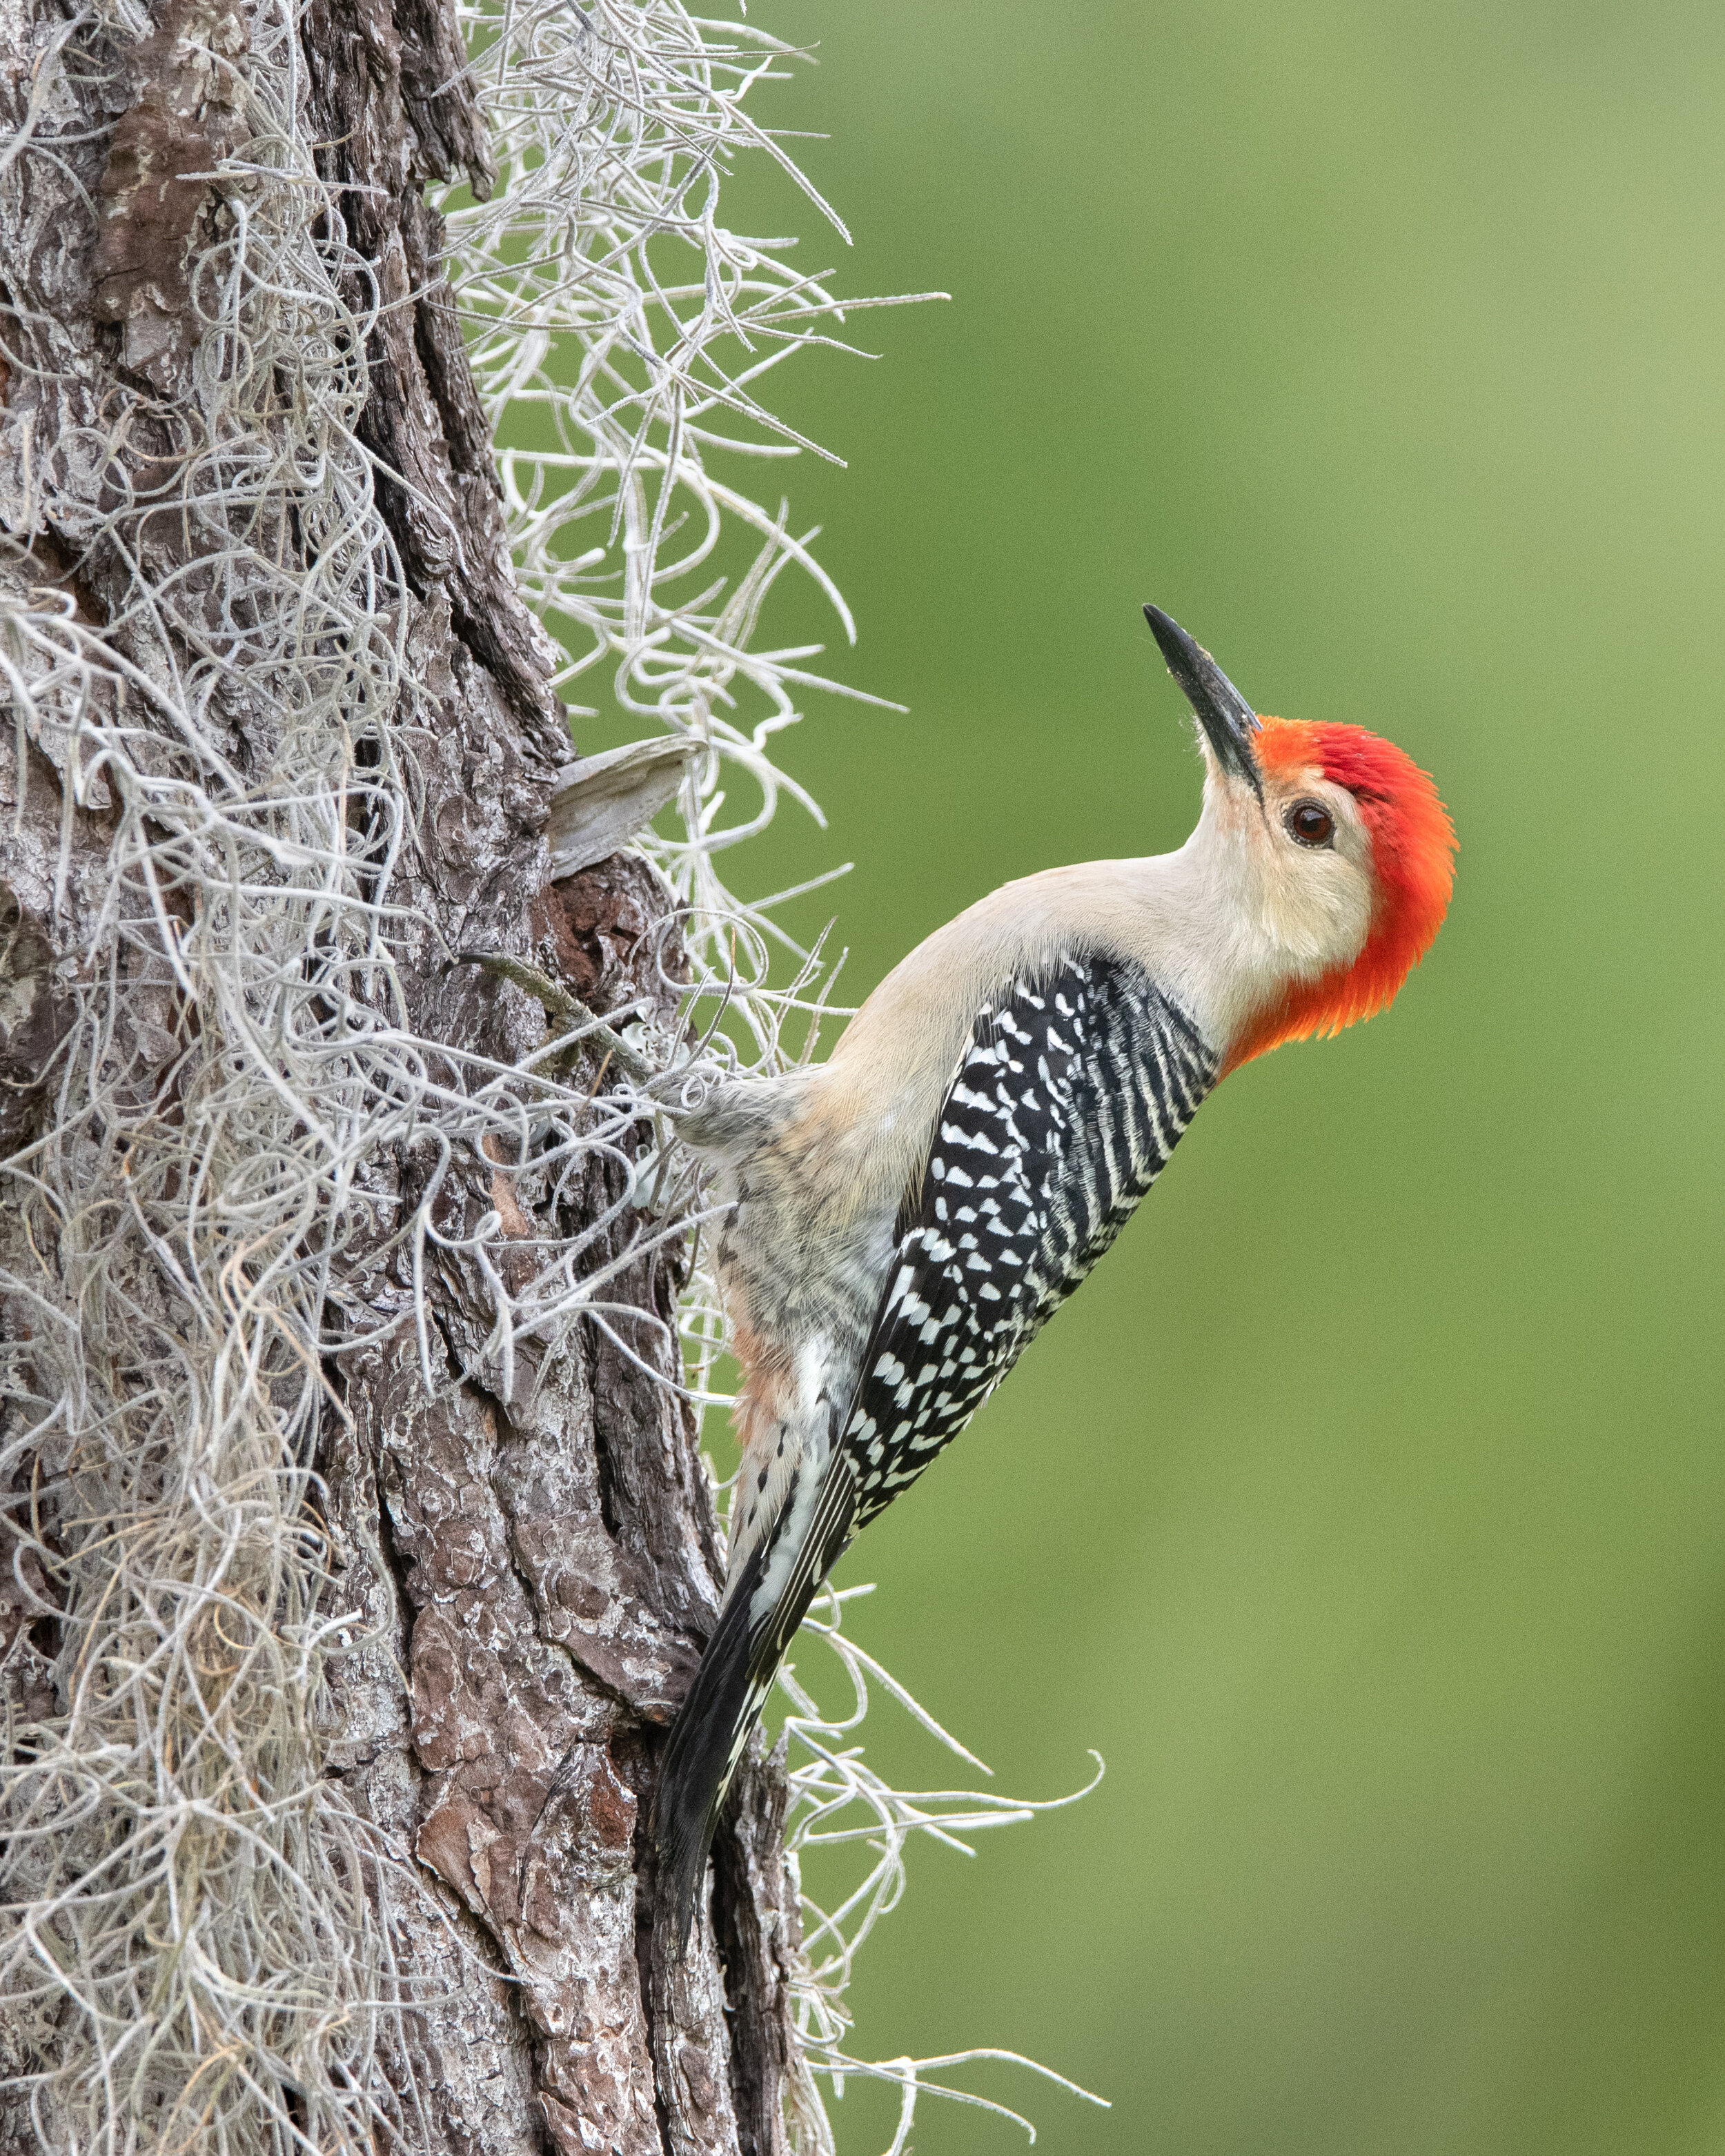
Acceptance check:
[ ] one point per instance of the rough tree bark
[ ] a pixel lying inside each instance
(530, 1577)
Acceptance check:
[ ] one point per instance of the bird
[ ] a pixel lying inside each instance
(898, 1223)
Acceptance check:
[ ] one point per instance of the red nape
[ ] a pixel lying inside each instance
(1413, 857)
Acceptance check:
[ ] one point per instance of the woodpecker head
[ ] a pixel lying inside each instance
(1327, 852)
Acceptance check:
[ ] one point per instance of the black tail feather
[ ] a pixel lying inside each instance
(711, 1728)
(730, 1688)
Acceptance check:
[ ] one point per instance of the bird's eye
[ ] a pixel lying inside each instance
(1310, 824)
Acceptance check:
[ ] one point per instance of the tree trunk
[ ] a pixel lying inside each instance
(453, 1697)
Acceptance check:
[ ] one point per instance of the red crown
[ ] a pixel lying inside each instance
(1413, 860)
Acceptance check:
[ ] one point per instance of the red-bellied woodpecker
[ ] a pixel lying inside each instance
(903, 1218)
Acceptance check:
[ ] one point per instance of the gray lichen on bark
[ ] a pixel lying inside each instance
(509, 1577)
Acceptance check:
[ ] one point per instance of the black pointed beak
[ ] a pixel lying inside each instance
(1228, 721)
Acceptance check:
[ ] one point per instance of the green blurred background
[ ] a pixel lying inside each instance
(1367, 1511)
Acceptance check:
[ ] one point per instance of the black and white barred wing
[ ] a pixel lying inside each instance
(1070, 1098)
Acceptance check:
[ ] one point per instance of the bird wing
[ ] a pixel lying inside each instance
(1072, 1094)
(1073, 1091)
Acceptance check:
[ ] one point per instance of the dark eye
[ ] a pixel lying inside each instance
(1310, 824)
